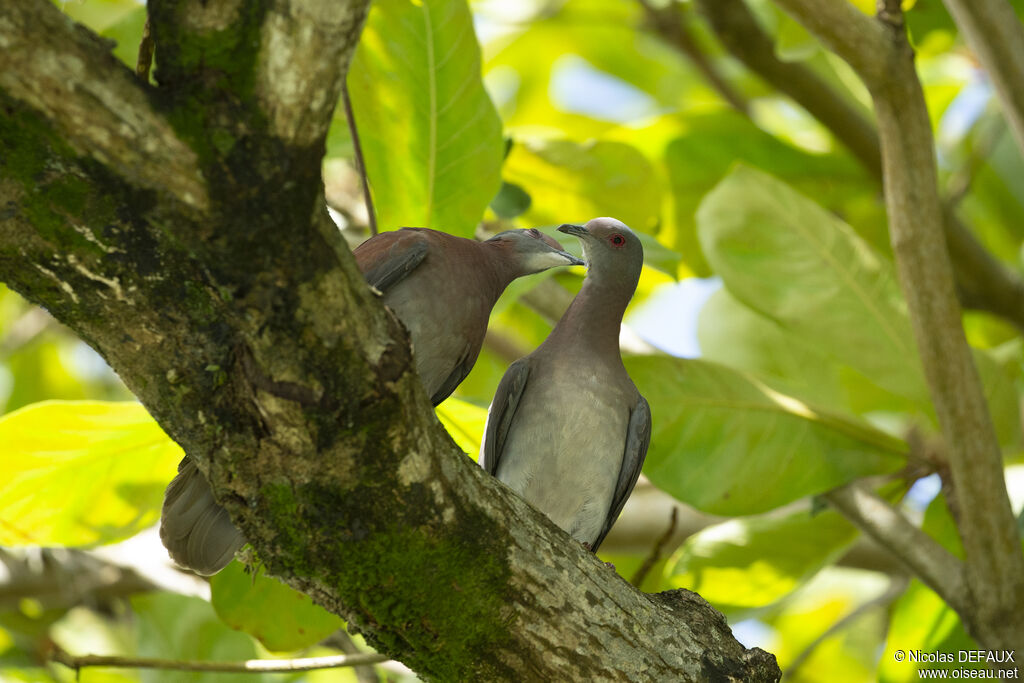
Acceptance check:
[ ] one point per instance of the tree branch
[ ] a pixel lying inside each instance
(668, 21)
(858, 39)
(245, 328)
(983, 282)
(995, 34)
(95, 104)
(994, 563)
(740, 33)
(936, 567)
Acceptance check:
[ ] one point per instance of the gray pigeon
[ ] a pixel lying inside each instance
(567, 429)
(442, 288)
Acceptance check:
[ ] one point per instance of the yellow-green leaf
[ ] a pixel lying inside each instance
(464, 422)
(745, 564)
(728, 444)
(430, 135)
(277, 615)
(81, 473)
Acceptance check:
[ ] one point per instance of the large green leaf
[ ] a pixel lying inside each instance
(728, 444)
(430, 135)
(711, 144)
(745, 564)
(81, 473)
(734, 335)
(787, 258)
(825, 294)
(277, 615)
(572, 182)
(741, 338)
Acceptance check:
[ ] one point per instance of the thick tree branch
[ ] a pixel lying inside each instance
(303, 59)
(96, 105)
(858, 39)
(245, 328)
(936, 567)
(996, 35)
(983, 282)
(994, 563)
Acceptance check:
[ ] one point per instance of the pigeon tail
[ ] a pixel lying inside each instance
(196, 531)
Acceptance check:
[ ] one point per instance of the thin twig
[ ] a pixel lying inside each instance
(260, 665)
(360, 164)
(936, 567)
(895, 589)
(24, 330)
(656, 551)
(146, 47)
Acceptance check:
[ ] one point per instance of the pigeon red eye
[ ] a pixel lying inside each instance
(617, 240)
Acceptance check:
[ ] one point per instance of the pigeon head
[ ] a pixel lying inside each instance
(534, 251)
(612, 250)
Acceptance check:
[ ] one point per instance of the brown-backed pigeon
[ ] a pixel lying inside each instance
(567, 428)
(443, 289)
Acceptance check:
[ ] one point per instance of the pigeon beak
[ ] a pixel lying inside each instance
(573, 229)
(573, 261)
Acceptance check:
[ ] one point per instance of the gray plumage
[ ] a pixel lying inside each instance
(567, 428)
(442, 288)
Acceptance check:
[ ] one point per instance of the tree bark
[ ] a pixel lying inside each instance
(181, 231)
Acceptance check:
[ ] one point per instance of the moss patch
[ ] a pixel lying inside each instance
(427, 593)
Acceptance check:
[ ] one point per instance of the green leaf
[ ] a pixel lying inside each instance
(464, 422)
(737, 336)
(727, 444)
(710, 146)
(830, 627)
(81, 473)
(822, 293)
(790, 260)
(277, 615)
(127, 32)
(573, 182)
(921, 621)
(745, 564)
(178, 627)
(430, 135)
(734, 335)
(603, 34)
(510, 201)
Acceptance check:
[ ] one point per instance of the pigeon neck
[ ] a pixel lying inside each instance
(502, 268)
(594, 317)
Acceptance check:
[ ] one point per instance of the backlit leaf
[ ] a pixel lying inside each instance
(430, 135)
(277, 615)
(744, 564)
(727, 444)
(81, 473)
(790, 260)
